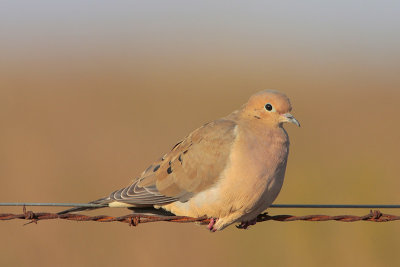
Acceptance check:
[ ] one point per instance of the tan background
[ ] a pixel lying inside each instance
(93, 92)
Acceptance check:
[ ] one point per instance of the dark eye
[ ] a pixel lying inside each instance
(268, 107)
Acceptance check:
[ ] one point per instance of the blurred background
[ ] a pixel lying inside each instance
(91, 92)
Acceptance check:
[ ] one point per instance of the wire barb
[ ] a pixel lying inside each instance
(135, 219)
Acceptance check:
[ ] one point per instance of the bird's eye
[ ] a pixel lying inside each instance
(269, 107)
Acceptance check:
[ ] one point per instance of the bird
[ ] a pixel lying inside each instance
(229, 170)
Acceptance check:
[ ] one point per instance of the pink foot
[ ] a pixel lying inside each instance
(245, 225)
(211, 225)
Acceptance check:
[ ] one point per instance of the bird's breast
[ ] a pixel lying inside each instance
(259, 155)
(257, 168)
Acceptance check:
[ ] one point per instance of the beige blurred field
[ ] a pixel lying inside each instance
(81, 115)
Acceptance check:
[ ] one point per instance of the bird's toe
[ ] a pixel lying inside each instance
(212, 224)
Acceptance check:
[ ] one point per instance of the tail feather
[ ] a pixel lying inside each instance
(101, 201)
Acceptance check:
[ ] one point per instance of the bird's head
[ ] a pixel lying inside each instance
(271, 107)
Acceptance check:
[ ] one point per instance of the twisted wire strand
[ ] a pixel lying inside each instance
(312, 206)
(135, 219)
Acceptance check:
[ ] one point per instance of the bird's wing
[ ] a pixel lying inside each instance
(193, 165)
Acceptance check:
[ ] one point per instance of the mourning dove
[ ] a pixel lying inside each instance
(229, 170)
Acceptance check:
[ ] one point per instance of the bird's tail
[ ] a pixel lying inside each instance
(102, 201)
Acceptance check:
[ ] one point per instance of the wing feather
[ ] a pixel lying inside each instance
(193, 165)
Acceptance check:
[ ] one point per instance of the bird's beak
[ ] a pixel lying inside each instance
(287, 117)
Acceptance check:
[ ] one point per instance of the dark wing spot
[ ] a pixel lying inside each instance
(169, 170)
(257, 117)
(156, 168)
(177, 144)
(180, 158)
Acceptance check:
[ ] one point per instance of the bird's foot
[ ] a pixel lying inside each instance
(246, 224)
(211, 225)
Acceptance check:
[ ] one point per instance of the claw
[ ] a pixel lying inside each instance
(211, 225)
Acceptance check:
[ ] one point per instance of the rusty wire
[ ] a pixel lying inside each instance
(135, 219)
(307, 206)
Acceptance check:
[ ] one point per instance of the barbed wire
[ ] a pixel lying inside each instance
(312, 206)
(136, 219)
